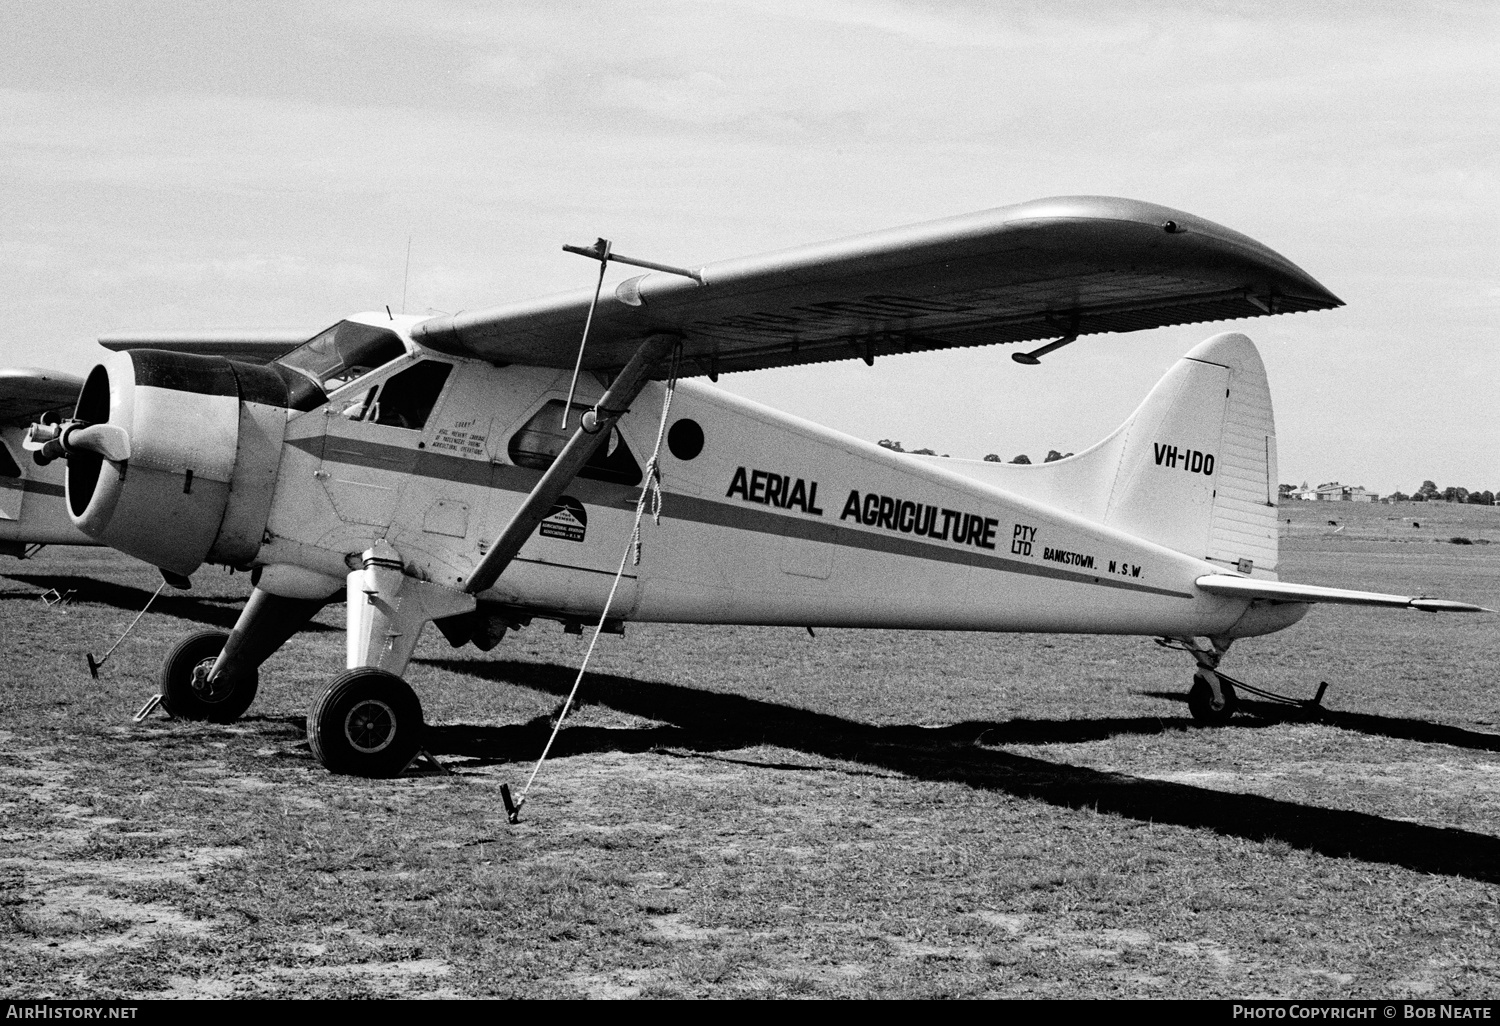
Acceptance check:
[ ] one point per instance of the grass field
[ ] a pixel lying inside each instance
(753, 812)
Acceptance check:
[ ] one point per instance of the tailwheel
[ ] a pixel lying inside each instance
(368, 723)
(188, 693)
(1205, 707)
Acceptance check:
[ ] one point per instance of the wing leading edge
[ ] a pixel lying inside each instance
(1280, 591)
(1071, 265)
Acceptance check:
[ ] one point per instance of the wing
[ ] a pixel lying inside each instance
(261, 345)
(28, 392)
(1279, 591)
(1072, 265)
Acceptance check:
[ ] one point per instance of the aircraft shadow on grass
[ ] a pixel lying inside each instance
(707, 722)
(212, 612)
(1268, 713)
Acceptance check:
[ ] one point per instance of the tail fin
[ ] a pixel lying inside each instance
(1194, 468)
(1197, 461)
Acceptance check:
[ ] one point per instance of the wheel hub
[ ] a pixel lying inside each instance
(214, 689)
(370, 726)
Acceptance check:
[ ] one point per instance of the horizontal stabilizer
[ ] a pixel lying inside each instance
(1281, 591)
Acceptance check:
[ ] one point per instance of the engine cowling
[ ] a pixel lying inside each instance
(205, 438)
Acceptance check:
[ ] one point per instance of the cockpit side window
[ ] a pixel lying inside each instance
(542, 438)
(340, 354)
(406, 399)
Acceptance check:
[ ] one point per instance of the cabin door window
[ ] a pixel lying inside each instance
(372, 444)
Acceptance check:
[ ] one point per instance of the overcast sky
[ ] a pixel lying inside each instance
(177, 165)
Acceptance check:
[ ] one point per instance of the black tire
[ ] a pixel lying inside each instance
(368, 723)
(187, 697)
(1201, 702)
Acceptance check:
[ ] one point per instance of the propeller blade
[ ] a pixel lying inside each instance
(108, 440)
(48, 442)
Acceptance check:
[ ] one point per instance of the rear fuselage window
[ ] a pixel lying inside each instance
(538, 443)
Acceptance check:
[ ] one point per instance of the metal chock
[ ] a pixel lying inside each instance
(145, 710)
(424, 759)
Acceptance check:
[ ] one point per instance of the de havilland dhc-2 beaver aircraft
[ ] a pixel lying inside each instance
(445, 469)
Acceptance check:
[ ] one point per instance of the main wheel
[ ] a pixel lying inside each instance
(368, 723)
(1201, 702)
(185, 689)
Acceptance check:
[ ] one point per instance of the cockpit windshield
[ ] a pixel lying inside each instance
(344, 352)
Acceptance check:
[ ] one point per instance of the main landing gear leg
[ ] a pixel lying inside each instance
(1211, 699)
(368, 722)
(213, 676)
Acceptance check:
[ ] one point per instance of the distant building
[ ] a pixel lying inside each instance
(1335, 492)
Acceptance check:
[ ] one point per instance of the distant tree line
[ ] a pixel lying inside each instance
(1429, 492)
(895, 446)
(1052, 454)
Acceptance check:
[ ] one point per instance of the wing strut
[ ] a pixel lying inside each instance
(589, 435)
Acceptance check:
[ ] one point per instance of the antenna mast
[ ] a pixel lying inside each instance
(406, 276)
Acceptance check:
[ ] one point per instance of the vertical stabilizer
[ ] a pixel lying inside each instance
(1197, 470)
(1194, 468)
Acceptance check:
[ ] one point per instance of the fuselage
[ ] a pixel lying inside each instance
(297, 468)
(765, 519)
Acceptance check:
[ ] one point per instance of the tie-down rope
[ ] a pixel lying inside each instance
(650, 489)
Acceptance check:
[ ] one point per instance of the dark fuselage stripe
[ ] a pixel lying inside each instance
(722, 514)
(439, 467)
(22, 484)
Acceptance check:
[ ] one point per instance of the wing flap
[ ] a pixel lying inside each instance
(1281, 591)
(1072, 265)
